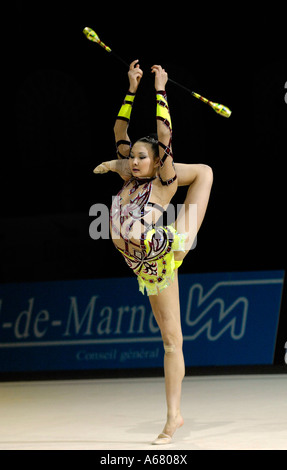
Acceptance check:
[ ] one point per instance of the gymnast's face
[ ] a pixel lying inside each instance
(142, 162)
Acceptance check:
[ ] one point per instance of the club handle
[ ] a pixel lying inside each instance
(119, 58)
(181, 86)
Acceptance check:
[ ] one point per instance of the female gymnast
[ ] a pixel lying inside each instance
(152, 249)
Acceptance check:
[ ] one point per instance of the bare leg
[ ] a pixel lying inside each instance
(166, 310)
(165, 305)
(199, 178)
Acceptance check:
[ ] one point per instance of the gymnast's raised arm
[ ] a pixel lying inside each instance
(167, 172)
(123, 143)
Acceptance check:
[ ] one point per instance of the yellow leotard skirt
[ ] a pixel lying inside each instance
(156, 272)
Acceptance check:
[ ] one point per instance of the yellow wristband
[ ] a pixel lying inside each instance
(126, 108)
(162, 110)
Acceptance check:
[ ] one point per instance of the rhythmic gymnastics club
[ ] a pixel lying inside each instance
(92, 36)
(217, 107)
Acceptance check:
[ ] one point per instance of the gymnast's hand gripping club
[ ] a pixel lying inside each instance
(217, 107)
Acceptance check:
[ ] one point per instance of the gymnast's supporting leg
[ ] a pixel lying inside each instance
(166, 310)
(166, 306)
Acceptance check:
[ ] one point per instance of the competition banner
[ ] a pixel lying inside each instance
(227, 319)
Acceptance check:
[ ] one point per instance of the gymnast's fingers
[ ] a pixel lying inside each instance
(133, 64)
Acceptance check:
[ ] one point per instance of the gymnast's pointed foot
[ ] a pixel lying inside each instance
(171, 426)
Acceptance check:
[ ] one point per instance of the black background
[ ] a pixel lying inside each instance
(61, 94)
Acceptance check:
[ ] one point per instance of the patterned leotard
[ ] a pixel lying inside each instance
(147, 245)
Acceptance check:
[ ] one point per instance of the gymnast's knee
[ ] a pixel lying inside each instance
(207, 173)
(169, 348)
(173, 346)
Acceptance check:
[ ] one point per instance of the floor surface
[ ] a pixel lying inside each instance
(220, 412)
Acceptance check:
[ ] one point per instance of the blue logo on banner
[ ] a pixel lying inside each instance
(227, 319)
